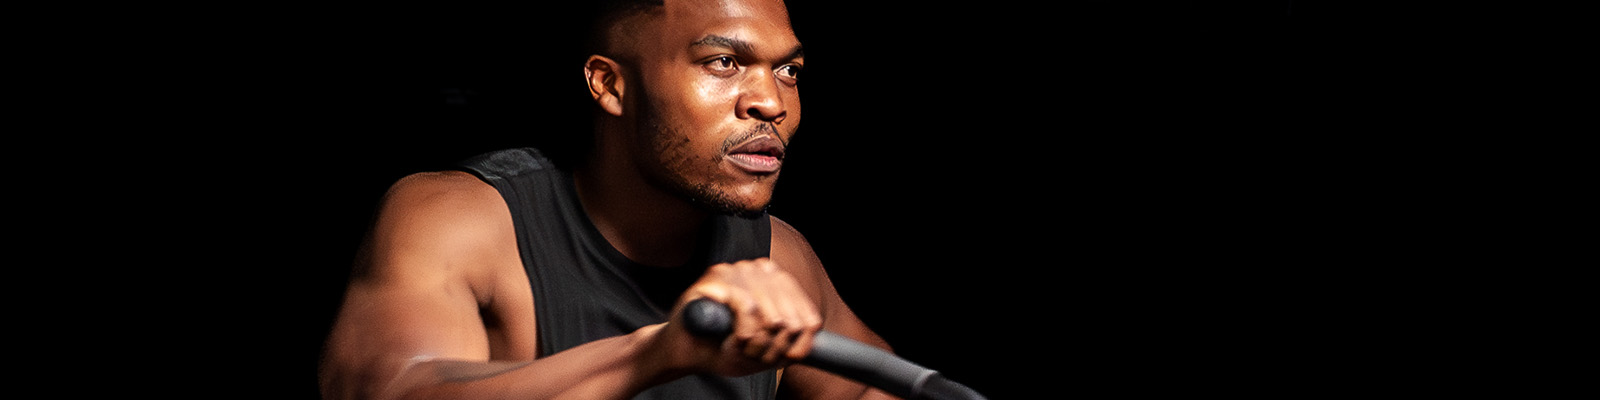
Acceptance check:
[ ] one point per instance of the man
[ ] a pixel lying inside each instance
(516, 279)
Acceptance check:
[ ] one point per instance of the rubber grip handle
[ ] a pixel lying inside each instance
(708, 319)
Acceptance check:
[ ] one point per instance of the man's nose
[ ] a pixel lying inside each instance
(760, 99)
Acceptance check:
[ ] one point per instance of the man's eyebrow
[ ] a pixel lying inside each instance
(724, 42)
(740, 46)
(798, 52)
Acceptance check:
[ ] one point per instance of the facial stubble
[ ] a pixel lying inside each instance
(677, 160)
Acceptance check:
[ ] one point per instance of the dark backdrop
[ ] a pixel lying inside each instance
(1092, 198)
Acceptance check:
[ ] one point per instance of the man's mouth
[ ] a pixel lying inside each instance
(760, 155)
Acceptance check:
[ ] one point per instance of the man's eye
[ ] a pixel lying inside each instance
(721, 64)
(790, 71)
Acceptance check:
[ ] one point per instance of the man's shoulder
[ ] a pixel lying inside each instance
(438, 224)
(451, 189)
(785, 234)
(441, 205)
(791, 249)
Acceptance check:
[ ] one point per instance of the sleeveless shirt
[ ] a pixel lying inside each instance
(585, 290)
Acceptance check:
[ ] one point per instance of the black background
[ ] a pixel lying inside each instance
(1098, 198)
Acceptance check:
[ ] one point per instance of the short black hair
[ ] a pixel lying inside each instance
(584, 28)
(607, 13)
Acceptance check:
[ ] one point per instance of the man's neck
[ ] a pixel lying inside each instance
(649, 225)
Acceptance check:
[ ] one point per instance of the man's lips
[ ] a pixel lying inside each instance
(759, 155)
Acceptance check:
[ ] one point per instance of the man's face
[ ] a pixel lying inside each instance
(719, 100)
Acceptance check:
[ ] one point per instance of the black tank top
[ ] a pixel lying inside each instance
(585, 290)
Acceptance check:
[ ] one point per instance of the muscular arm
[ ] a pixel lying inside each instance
(790, 250)
(410, 326)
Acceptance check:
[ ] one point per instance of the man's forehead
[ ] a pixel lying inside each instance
(751, 21)
(701, 14)
(729, 8)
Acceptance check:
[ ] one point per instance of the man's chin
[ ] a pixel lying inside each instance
(732, 207)
(717, 201)
(732, 210)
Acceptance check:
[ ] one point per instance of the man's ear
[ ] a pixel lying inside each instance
(606, 83)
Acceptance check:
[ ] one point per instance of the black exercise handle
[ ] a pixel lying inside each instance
(843, 356)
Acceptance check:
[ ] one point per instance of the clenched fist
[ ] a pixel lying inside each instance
(775, 322)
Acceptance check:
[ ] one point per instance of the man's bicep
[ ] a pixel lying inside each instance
(386, 325)
(410, 297)
(414, 284)
(414, 319)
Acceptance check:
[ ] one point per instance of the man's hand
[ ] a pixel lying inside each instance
(775, 322)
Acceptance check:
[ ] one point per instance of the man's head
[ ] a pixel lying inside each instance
(699, 96)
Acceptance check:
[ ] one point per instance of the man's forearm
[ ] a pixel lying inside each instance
(614, 368)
